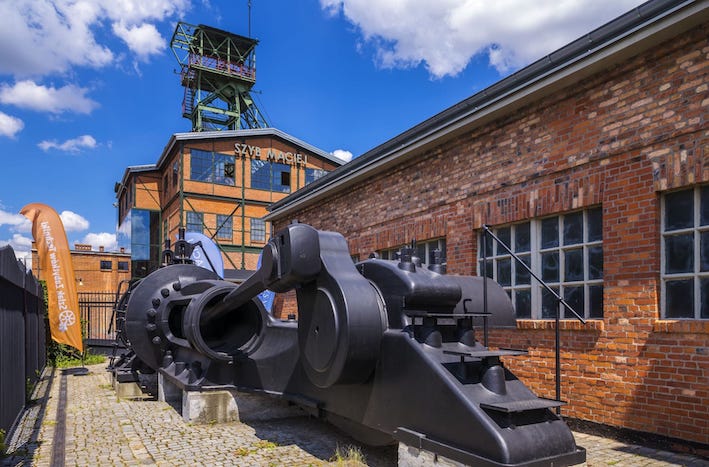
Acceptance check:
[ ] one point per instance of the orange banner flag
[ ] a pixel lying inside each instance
(57, 271)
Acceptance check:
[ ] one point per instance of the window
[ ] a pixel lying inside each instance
(224, 227)
(258, 230)
(270, 176)
(175, 173)
(123, 265)
(164, 185)
(565, 251)
(106, 265)
(194, 221)
(313, 174)
(424, 250)
(685, 253)
(212, 167)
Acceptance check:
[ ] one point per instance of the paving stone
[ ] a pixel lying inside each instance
(102, 429)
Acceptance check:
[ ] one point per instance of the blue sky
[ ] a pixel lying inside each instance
(89, 87)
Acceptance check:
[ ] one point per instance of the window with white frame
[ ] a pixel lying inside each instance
(424, 250)
(685, 253)
(565, 251)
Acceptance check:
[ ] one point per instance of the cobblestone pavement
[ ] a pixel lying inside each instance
(103, 430)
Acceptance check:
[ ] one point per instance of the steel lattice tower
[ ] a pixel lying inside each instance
(218, 70)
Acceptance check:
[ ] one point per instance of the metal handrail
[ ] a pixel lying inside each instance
(559, 299)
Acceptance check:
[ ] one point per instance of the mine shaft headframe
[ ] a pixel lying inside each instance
(341, 315)
(217, 70)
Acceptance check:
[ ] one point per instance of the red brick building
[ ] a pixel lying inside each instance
(593, 164)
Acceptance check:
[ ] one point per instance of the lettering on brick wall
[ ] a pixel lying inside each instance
(272, 155)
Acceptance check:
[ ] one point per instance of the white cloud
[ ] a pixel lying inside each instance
(138, 11)
(17, 222)
(52, 36)
(446, 34)
(73, 222)
(143, 40)
(49, 36)
(22, 246)
(342, 154)
(73, 145)
(30, 95)
(104, 239)
(9, 125)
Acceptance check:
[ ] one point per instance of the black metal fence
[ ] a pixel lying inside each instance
(96, 315)
(23, 335)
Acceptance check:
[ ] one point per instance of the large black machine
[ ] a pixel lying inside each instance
(384, 349)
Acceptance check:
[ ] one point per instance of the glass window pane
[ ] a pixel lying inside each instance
(200, 165)
(522, 276)
(595, 262)
(485, 248)
(224, 227)
(573, 228)
(550, 232)
(704, 206)
(504, 236)
(258, 230)
(281, 177)
(573, 265)
(504, 272)
(489, 267)
(594, 224)
(194, 221)
(574, 296)
(679, 253)
(522, 238)
(523, 303)
(549, 303)
(680, 299)
(313, 174)
(260, 174)
(224, 169)
(550, 266)
(595, 301)
(421, 251)
(704, 252)
(679, 210)
(704, 286)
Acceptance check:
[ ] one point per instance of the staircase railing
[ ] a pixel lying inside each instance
(560, 300)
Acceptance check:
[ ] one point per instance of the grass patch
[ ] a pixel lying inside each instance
(69, 361)
(263, 444)
(257, 446)
(349, 456)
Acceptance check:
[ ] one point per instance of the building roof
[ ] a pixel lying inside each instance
(641, 28)
(213, 135)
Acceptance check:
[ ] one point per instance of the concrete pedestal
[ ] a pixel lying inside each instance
(410, 456)
(223, 405)
(132, 389)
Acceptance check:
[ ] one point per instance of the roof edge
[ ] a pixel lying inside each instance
(592, 48)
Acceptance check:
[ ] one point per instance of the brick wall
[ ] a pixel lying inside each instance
(617, 139)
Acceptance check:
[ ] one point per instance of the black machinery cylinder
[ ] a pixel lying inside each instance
(221, 333)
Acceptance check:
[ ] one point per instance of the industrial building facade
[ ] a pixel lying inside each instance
(593, 166)
(216, 183)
